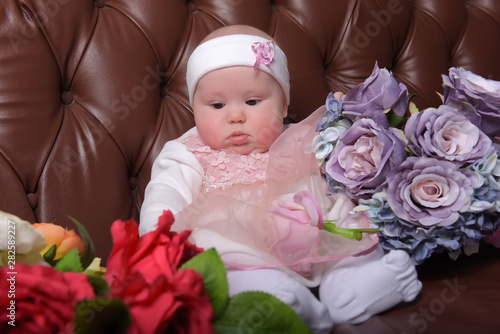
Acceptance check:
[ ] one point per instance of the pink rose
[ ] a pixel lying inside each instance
(44, 299)
(296, 224)
(264, 53)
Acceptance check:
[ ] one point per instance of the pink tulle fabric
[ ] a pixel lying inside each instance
(238, 208)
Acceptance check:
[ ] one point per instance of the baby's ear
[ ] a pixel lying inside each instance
(285, 107)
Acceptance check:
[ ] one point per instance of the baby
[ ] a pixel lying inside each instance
(243, 183)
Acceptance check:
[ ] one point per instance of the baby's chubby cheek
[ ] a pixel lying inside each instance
(269, 132)
(209, 138)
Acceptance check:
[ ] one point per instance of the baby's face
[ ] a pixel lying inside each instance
(239, 109)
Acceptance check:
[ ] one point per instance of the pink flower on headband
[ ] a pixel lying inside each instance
(264, 53)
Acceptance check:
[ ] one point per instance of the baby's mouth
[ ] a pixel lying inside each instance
(238, 138)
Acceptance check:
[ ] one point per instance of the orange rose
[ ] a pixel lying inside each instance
(63, 239)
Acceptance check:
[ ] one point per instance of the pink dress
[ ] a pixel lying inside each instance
(234, 214)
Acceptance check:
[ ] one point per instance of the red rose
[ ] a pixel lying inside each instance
(177, 304)
(143, 271)
(192, 305)
(44, 299)
(159, 252)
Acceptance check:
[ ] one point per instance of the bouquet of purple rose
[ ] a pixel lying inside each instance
(430, 179)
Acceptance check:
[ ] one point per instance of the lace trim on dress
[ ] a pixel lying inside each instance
(223, 168)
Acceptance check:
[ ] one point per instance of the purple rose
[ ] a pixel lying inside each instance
(429, 192)
(445, 134)
(474, 96)
(364, 155)
(379, 93)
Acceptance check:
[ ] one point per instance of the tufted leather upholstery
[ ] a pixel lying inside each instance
(91, 90)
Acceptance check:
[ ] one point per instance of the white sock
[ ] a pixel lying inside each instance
(354, 289)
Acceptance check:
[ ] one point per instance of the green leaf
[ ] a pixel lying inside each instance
(88, 252)
(395, 120)
(259, 312)
(50, 254)
(70, 262)
(209, 265)
(96, 316)
(99, 284)
(413, 108)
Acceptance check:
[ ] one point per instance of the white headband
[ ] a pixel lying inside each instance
(238, 50)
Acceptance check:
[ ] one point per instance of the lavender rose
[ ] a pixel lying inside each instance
(364, 155)
(445, 134)
(377, 94)
(429, 192)
(474, 96)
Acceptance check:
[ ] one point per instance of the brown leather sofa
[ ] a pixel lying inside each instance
(91, 90)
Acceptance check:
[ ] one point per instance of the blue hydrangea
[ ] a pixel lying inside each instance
(333, 112)
(421, 243)
(487, 189)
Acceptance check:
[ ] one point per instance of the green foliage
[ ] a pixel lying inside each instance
(99, 284)
(247, 312)
(259, 312)
(106, 316)
(397, 121)
(70, 262)
(50, 254)
(394, 119)
(88, 252)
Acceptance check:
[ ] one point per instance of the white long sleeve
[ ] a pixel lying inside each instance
(176, 178)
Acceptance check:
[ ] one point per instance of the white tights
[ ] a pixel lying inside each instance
(288, 290)
(351, 290)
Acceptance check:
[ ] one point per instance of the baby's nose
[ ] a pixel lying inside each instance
(236, 115)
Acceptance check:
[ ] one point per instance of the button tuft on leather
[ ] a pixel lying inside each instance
(163, 90)
(67, 97)
(99, 3)
(32, 200)
(133, 183)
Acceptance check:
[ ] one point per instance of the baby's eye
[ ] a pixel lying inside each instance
(252, 102)
(217, 105)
